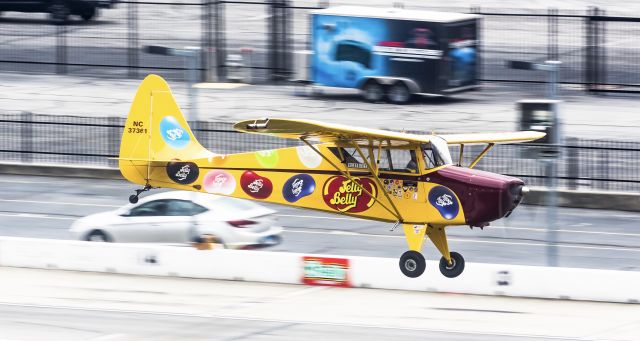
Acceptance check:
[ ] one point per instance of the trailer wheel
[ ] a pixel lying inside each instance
(399, 93)
(372, 91)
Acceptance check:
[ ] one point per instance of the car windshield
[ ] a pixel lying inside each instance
(436, 153)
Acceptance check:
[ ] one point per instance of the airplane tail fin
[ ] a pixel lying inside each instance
(155, 134)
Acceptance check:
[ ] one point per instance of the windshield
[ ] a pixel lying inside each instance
(436, 153)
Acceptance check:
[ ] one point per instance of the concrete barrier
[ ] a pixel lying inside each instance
(281, 267)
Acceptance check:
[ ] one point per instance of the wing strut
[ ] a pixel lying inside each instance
(375, 176)
(484, 151)
(347, 174)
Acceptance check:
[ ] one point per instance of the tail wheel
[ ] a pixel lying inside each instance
(373, 91)
(399, 93)
(97, 236)
(412, 264)
(455, 268)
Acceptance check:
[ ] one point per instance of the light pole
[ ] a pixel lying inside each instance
(552, 67)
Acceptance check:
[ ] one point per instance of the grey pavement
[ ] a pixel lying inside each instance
(45, 207)
(65, 305)
(491, 109)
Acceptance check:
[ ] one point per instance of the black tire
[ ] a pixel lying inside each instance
(133, 198)
(455, 269)
(372, 91)
(88, 13)
(59, 11)
(412, 264)
(399, 93)
(97, 236)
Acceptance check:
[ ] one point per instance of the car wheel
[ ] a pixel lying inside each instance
(97, 236)
(399, 93)
(59, 11)
(372, 91)
(88, 14)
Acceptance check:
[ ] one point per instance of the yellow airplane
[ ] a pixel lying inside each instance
(405, 179)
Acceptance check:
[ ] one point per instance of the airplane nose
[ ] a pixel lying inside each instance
(516, 190)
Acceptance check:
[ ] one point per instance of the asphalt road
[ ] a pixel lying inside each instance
(44, 207)
(61, 305)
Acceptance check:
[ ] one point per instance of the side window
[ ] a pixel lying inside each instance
(398, 160)
(152, 208)
(429, 158)
(183, 208)
(351, 157)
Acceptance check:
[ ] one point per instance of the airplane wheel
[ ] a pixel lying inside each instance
(412, 264)
(456, 267)
(133, 198)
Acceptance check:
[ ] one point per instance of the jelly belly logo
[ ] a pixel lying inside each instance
(345, 195)
(326, 271)
(219, 182)
(298, 187)
(444, 201)
(173, 133)
(255, 185)
(183, 173)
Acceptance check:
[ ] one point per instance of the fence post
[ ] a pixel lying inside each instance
(26, 137)
(220, 48)
(477, 10)
(552, 34)
(207, 41)
(61, 49)
(573, 160)
(113, 137)
(133, 50)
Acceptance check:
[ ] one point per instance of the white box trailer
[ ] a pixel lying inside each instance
(391, 53)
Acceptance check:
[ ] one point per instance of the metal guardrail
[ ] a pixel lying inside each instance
(583, 164)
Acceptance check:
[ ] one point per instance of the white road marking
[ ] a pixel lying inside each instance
(107, 337)
(317, 217)
(58, 203)
(483, 241)
(276, 320)
(35, 216)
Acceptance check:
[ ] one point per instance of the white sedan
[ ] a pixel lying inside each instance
(182, 217)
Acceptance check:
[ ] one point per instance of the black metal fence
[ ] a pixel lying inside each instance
(584, 164)
(598, 52)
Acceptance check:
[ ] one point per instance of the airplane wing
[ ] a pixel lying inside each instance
(484, 138)
(326, 132)
(332, 132)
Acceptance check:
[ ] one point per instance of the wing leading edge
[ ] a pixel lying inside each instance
(333, 132)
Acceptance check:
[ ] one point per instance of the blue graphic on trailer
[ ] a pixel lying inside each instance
(173, 133)
(343, 49)
(463, 64)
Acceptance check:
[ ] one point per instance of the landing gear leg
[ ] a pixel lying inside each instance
(412, 263)
(451, 263)
(134, 197)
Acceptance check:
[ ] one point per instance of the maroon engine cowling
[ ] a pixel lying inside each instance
(484, 196)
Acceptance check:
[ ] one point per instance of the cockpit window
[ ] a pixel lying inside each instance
(436, 153)
(398, 160)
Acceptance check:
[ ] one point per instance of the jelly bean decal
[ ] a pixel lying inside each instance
(219, 182)
(267, 158)
(444, 201)
(173, 133)
(255, 185)
(298, 187)
(183, 173)
(308, 157)
(345, 195)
